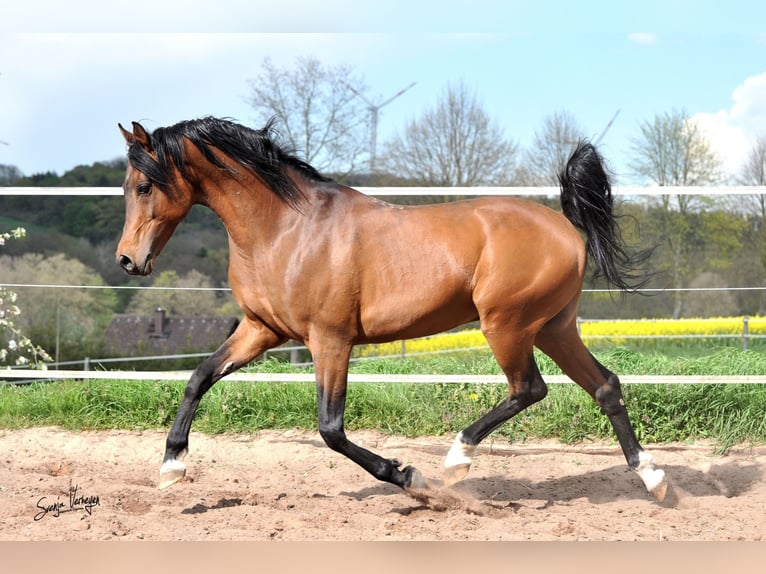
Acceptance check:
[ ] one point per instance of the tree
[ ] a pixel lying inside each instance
(15, 347)
(453, 144)
(550, 150)
(753, 172)
(68, 322)
(96, 219)
(188, 295)
(673, 151)
(320, 117)
(9, 175)
(41, 179)
(100, 174)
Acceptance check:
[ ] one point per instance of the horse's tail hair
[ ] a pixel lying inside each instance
(586, 200)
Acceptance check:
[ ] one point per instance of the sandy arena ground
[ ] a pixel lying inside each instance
(286, 485)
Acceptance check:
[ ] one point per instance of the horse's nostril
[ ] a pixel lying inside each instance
(125, 262)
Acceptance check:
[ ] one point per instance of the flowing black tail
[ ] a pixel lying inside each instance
(586, 200)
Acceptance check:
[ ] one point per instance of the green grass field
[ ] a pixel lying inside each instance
(727, 414)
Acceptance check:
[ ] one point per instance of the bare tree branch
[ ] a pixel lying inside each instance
(453, 144)
(319, 117)
(550, 150)
(754, 170)
(672, 150)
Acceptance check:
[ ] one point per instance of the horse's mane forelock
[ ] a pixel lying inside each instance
(256, 150)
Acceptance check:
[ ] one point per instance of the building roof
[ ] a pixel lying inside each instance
(159, 334)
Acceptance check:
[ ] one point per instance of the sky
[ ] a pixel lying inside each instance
(70, 71)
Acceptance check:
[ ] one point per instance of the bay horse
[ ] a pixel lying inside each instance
(324, 264)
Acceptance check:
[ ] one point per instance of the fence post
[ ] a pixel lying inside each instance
(86, 364)
(745, 332)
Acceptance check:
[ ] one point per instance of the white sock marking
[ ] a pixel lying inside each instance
(460, 453)
(172, 465)
(652, 477)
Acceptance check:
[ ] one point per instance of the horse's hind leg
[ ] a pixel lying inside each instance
(526, 387)
(561, 342)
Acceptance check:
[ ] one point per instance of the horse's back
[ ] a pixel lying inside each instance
(524, 237)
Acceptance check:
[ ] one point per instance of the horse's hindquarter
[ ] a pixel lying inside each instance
(532, 265)
(429, 268)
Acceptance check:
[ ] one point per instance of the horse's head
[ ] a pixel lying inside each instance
(154, 203)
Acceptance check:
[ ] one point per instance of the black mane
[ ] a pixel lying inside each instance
(255, 150)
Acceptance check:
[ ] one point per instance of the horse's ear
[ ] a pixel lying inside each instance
(141, 136)
(129, 138)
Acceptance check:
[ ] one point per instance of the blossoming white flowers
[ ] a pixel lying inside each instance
(14, 346)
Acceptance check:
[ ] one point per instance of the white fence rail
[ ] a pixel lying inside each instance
(30, 374)
(622, 190)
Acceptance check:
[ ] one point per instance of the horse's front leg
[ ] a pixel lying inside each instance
(331, 368)
(249, 340)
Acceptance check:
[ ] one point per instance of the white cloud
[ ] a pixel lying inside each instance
(733, 130)
(728, 141)
(644, 38)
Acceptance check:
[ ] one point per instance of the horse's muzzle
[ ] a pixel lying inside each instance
(131, 268)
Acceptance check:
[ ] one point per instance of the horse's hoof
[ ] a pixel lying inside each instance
(415, 480)
(654, 478)
(660, 491)
(456, 473)
(171, 472)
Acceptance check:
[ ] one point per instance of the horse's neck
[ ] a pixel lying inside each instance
(250, 212)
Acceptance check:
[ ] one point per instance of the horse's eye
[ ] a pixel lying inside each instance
(144, 188)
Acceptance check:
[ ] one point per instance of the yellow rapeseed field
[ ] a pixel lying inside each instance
(613, 331)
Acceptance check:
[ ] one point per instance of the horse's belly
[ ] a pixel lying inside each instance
(417, 314)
